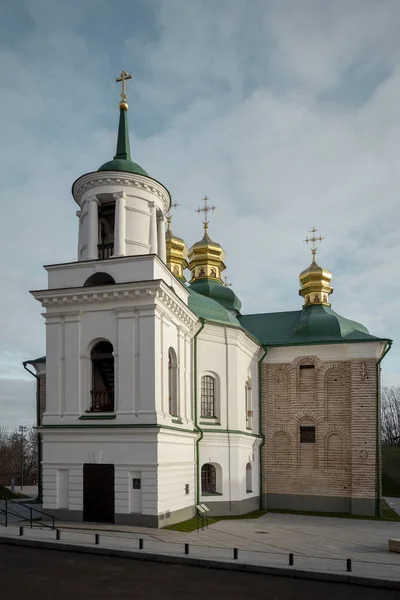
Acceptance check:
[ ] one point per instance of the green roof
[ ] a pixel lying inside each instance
(42, 359)
(210, 310)
(122, 160)
(220, 293)
(313, 325)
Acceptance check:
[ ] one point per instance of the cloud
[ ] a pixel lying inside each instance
(285, 114)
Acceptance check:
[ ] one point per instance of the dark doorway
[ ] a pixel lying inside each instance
(98, 493)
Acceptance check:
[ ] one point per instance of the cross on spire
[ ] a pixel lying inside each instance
(169, 214)
(206, 209)
(226, 283)
(123, 78)
(313, 240)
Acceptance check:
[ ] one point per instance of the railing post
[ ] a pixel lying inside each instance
(140, 543)
(186, 548)
(235, 553)
(58, 534)
(291, 560)
(348, 565)
(21, 531)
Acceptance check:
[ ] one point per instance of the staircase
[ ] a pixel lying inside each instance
(19, 513)
(103, 399)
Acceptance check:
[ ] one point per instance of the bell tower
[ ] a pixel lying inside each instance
(118, 432)
(121, 208)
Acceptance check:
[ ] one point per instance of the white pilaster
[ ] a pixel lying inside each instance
(93, 228)
(153, 228)
(79, 214)
(120, 224)
(162, 249)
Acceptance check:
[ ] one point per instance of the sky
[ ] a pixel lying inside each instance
(286, 113)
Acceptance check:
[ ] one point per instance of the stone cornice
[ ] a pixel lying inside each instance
(152, 291)
(116, 178)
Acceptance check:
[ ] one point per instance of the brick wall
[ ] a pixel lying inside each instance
(339, 400)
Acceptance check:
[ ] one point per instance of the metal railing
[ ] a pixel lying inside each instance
(10, 511)
(102, 401)
(105, 250)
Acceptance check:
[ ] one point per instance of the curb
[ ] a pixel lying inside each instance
(205, 563)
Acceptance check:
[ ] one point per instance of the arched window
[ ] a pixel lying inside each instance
(208, 479)
(172, 382)
(207, 396)
(102, 377)
(249, 478)
(99, 279)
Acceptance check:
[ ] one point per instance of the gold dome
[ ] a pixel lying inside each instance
(206, 259)
(315, 285)
(176, 253)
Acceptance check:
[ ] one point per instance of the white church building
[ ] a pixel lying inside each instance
(158, 394)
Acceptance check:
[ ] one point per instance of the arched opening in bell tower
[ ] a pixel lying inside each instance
(103, 377)
(106, 216)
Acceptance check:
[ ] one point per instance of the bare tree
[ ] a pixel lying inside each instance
(390, 415)
(18, 455)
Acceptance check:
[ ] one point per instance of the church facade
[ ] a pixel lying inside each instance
(157, 394)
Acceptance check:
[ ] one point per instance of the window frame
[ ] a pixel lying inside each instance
(208, 402)
(208, 479)
(308, 434)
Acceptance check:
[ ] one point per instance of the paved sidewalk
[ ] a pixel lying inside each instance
(394, 503)
(319, 544)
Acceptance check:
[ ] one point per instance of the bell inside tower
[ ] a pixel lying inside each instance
(106, 217)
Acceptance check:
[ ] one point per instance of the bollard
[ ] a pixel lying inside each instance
(140, 543)
(58, 534)
(186, 548)
(348, 565)
(291, 560)
(235, 553)
(97, 539)
(21, 531)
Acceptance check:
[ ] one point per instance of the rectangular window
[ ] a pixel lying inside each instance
(307, 435)
(207, 396)
(136, 484)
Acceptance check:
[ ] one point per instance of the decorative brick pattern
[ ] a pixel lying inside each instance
(339, 399)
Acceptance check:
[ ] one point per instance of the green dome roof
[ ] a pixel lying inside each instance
(209, 309)
(121, 164)
(315, 324)
(220, 293)
(122, 160)
(321, 321)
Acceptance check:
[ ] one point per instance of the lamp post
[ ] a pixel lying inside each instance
(22, 430)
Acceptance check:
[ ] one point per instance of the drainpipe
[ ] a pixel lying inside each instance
(39, 435)
(260, 425)
(196, 422)
(378, 433)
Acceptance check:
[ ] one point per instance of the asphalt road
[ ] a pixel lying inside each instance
(47, 574)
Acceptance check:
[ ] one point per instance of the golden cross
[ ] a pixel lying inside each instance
(314, 239)
(169, 214)
(124, 76)
(206, 209)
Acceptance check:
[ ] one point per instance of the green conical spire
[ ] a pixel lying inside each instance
(122, 160)
(123, 146)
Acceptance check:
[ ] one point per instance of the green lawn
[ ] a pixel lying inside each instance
(6, 493)
(391, 471)
(193, 524)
